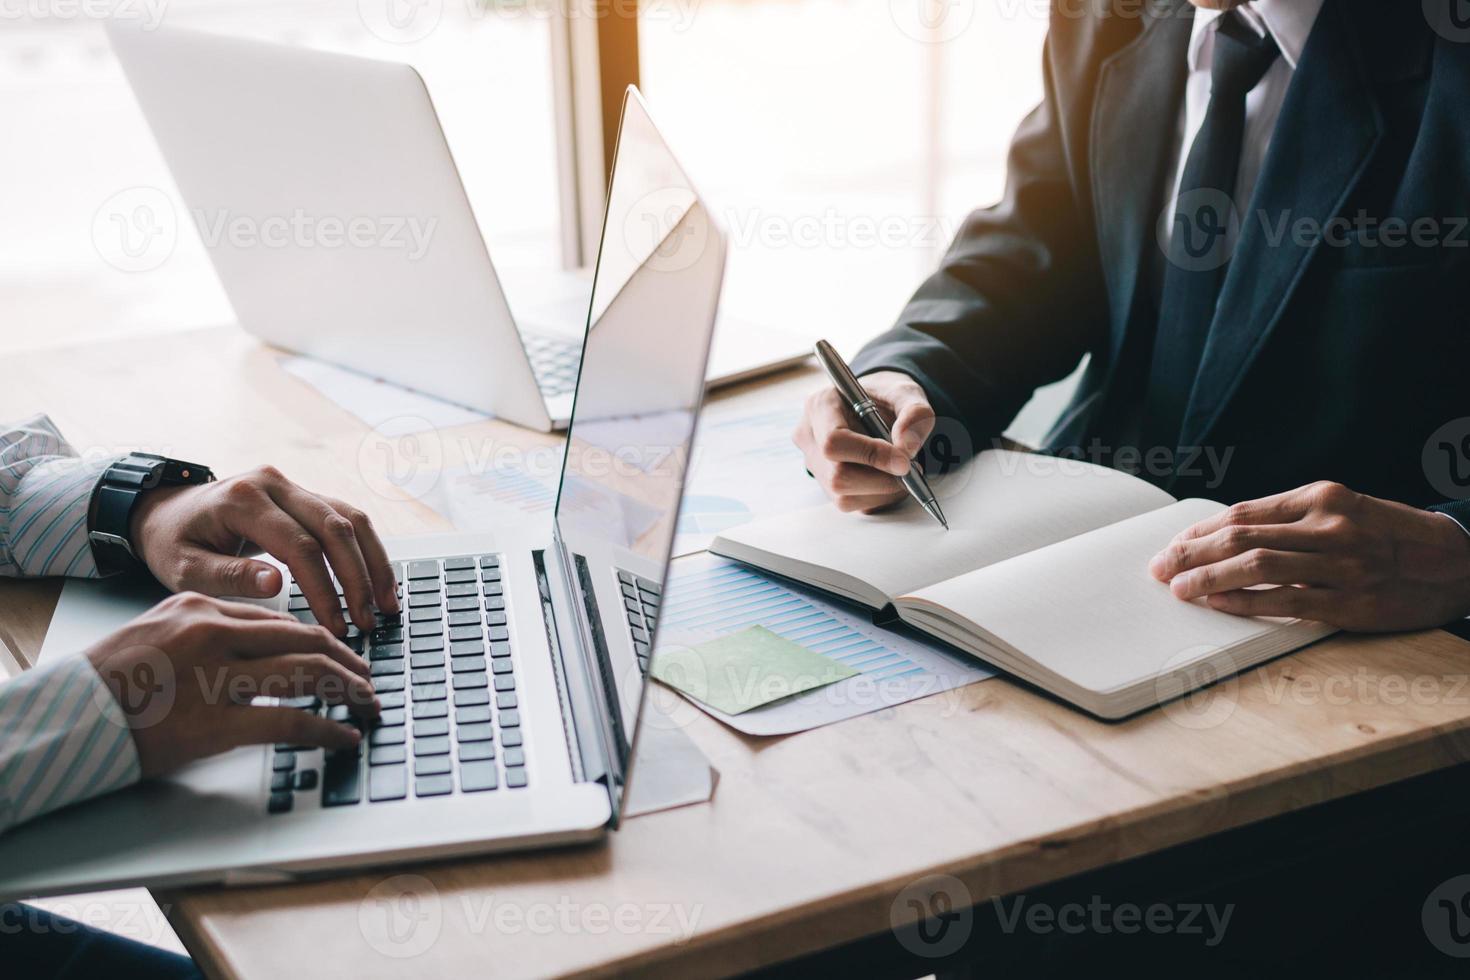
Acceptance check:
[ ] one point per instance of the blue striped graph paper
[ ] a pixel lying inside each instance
(708, 597)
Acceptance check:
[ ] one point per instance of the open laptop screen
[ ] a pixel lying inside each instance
(652, 314)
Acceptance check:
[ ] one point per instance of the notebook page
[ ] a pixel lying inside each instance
(1004, 504)
(1088, 610)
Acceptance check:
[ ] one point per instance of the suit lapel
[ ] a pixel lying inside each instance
(1327, 131)
(1131, 150)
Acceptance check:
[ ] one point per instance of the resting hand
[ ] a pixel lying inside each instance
(184, 674)
(1343, 558)
(858, 472)
(192, 537)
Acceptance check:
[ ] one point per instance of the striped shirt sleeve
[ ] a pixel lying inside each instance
(63, 739)
(45, 489)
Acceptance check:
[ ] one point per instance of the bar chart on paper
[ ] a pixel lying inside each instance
(709, 597)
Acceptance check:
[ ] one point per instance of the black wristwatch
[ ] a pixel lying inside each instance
(116, 494)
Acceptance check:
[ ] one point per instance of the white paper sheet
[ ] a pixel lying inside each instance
(391, 410)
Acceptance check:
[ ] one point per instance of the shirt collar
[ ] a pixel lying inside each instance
(1289, 22)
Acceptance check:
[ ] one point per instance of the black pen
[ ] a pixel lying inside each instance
(862, 404)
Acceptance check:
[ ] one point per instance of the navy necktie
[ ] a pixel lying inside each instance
(1204, 228)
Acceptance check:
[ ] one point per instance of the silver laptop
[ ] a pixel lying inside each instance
(281, 152)
(515, 675)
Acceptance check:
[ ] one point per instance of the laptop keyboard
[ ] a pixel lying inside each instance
(446, 680)
(640, 601)
(554, 361)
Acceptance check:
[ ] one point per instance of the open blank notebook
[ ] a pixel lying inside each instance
(1043, 573)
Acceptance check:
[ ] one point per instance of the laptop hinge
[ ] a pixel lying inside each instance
(600, 695)
(572, 690)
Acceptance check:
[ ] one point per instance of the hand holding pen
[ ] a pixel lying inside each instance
(861, 468)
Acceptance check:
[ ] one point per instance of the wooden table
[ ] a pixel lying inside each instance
(811, 837)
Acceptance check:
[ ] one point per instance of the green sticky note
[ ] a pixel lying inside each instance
(745, 670)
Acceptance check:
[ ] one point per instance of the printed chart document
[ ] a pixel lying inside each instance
(1043, 573)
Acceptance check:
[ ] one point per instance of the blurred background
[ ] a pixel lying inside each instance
(841, 141)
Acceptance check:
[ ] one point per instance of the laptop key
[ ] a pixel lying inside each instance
(390, 717)
(461, 603)
(470, 618)
(430, 727)
(430, 692)
(472, 715)
(494, 603)
(428, 675)
(430, 709)
(280, 782)
(388, 685)
(386, 634)
(465, 633)
(342, 779)
(433, 765)
(467, 648)
(478, 777)
(433, 786)
(423, 585)
(489, 561)
(471, 696)
(390, 699)
(505, 700)
(387, 651)
(387, 755)
(283, 762)
(424, 644)
(495, 618)
(279, 803)
(497, 633)
(459, 590)
(455, 564)
(433, 628)
(505, 682)
(474, 733)
(456, 578)
(465, 681)
(515, 777)
(387, 783)
(500, 649)
(510, 719)
(306, 779)
(431, 746)
(515, 757)
(424, 614)
(463, 665)
(395, 735)
(423, 569)
(510, 737)
(387, 668)
(420, 661)
(475, 751)
(422, 600)
(502, 666)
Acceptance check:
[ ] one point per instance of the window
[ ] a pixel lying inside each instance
(842, 141)
(75, 138)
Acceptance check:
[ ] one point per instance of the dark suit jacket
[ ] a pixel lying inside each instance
(1331, 358)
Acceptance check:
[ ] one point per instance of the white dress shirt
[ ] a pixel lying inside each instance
(63, 737)
(1289, 22)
